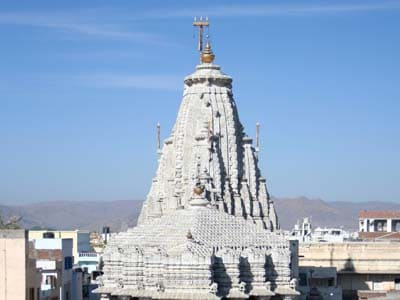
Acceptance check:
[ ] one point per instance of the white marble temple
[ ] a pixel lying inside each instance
(208, 229)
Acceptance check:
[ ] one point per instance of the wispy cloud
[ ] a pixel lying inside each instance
(129, 81)
(78, 24)
(260, 10)
(116, 24)
(108, 55)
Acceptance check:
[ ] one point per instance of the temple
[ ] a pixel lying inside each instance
(208, 228)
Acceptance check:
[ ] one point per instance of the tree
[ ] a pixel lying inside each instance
(13, 223)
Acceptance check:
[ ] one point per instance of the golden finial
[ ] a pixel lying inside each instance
(207, 56)
(198, 190)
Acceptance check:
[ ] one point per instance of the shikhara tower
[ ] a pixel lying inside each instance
(208, 229)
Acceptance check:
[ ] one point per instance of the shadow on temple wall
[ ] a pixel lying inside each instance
(222, 277)
(271, 273)
(245, 273)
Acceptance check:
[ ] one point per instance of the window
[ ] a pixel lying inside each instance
(31, 293)
(380, 225)
(331, 282)
(302, 279)
(396, 225)
(51, 280)
(67, 262)
(397, 284)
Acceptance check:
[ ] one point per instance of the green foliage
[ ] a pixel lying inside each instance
(39, 228)
(13, 223)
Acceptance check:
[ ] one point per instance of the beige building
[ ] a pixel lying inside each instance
(19, 278)
(80, 239)
(361, 266)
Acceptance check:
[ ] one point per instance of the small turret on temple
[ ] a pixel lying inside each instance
(208, 184)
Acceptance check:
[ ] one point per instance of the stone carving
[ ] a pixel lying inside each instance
(242, 287)
(214, 288)
(99, 280)
(208, 229)
(293, 283)
(160, 287)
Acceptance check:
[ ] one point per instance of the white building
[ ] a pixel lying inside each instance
(80, 239)
(89, 261)
(379, 225)
(302, 230)
(330, 235)
(304, 233)
(54, 257)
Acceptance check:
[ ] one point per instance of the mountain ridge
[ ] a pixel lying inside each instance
(121, 214)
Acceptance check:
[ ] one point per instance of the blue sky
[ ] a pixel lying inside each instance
(83, 84)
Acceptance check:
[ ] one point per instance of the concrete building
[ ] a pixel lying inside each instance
(77, 283)
(304, 233)
(89, 261)
(379, 225)
(19, 278)
(80, 239)
(330, 235)
(106, 234)
(360, 266)
(54, 257)
(319, 281)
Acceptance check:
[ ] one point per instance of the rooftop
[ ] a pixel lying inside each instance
(379, 214)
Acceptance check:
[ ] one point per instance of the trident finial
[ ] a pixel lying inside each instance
(201, 24)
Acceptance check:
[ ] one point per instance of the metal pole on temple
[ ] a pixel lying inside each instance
(158, 140)
(158, 136)
(257, 138)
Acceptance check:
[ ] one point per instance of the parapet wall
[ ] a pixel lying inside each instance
(353, 257)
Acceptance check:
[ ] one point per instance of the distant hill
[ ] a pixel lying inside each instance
(330, 214)
(91, 215)
(119, 215)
